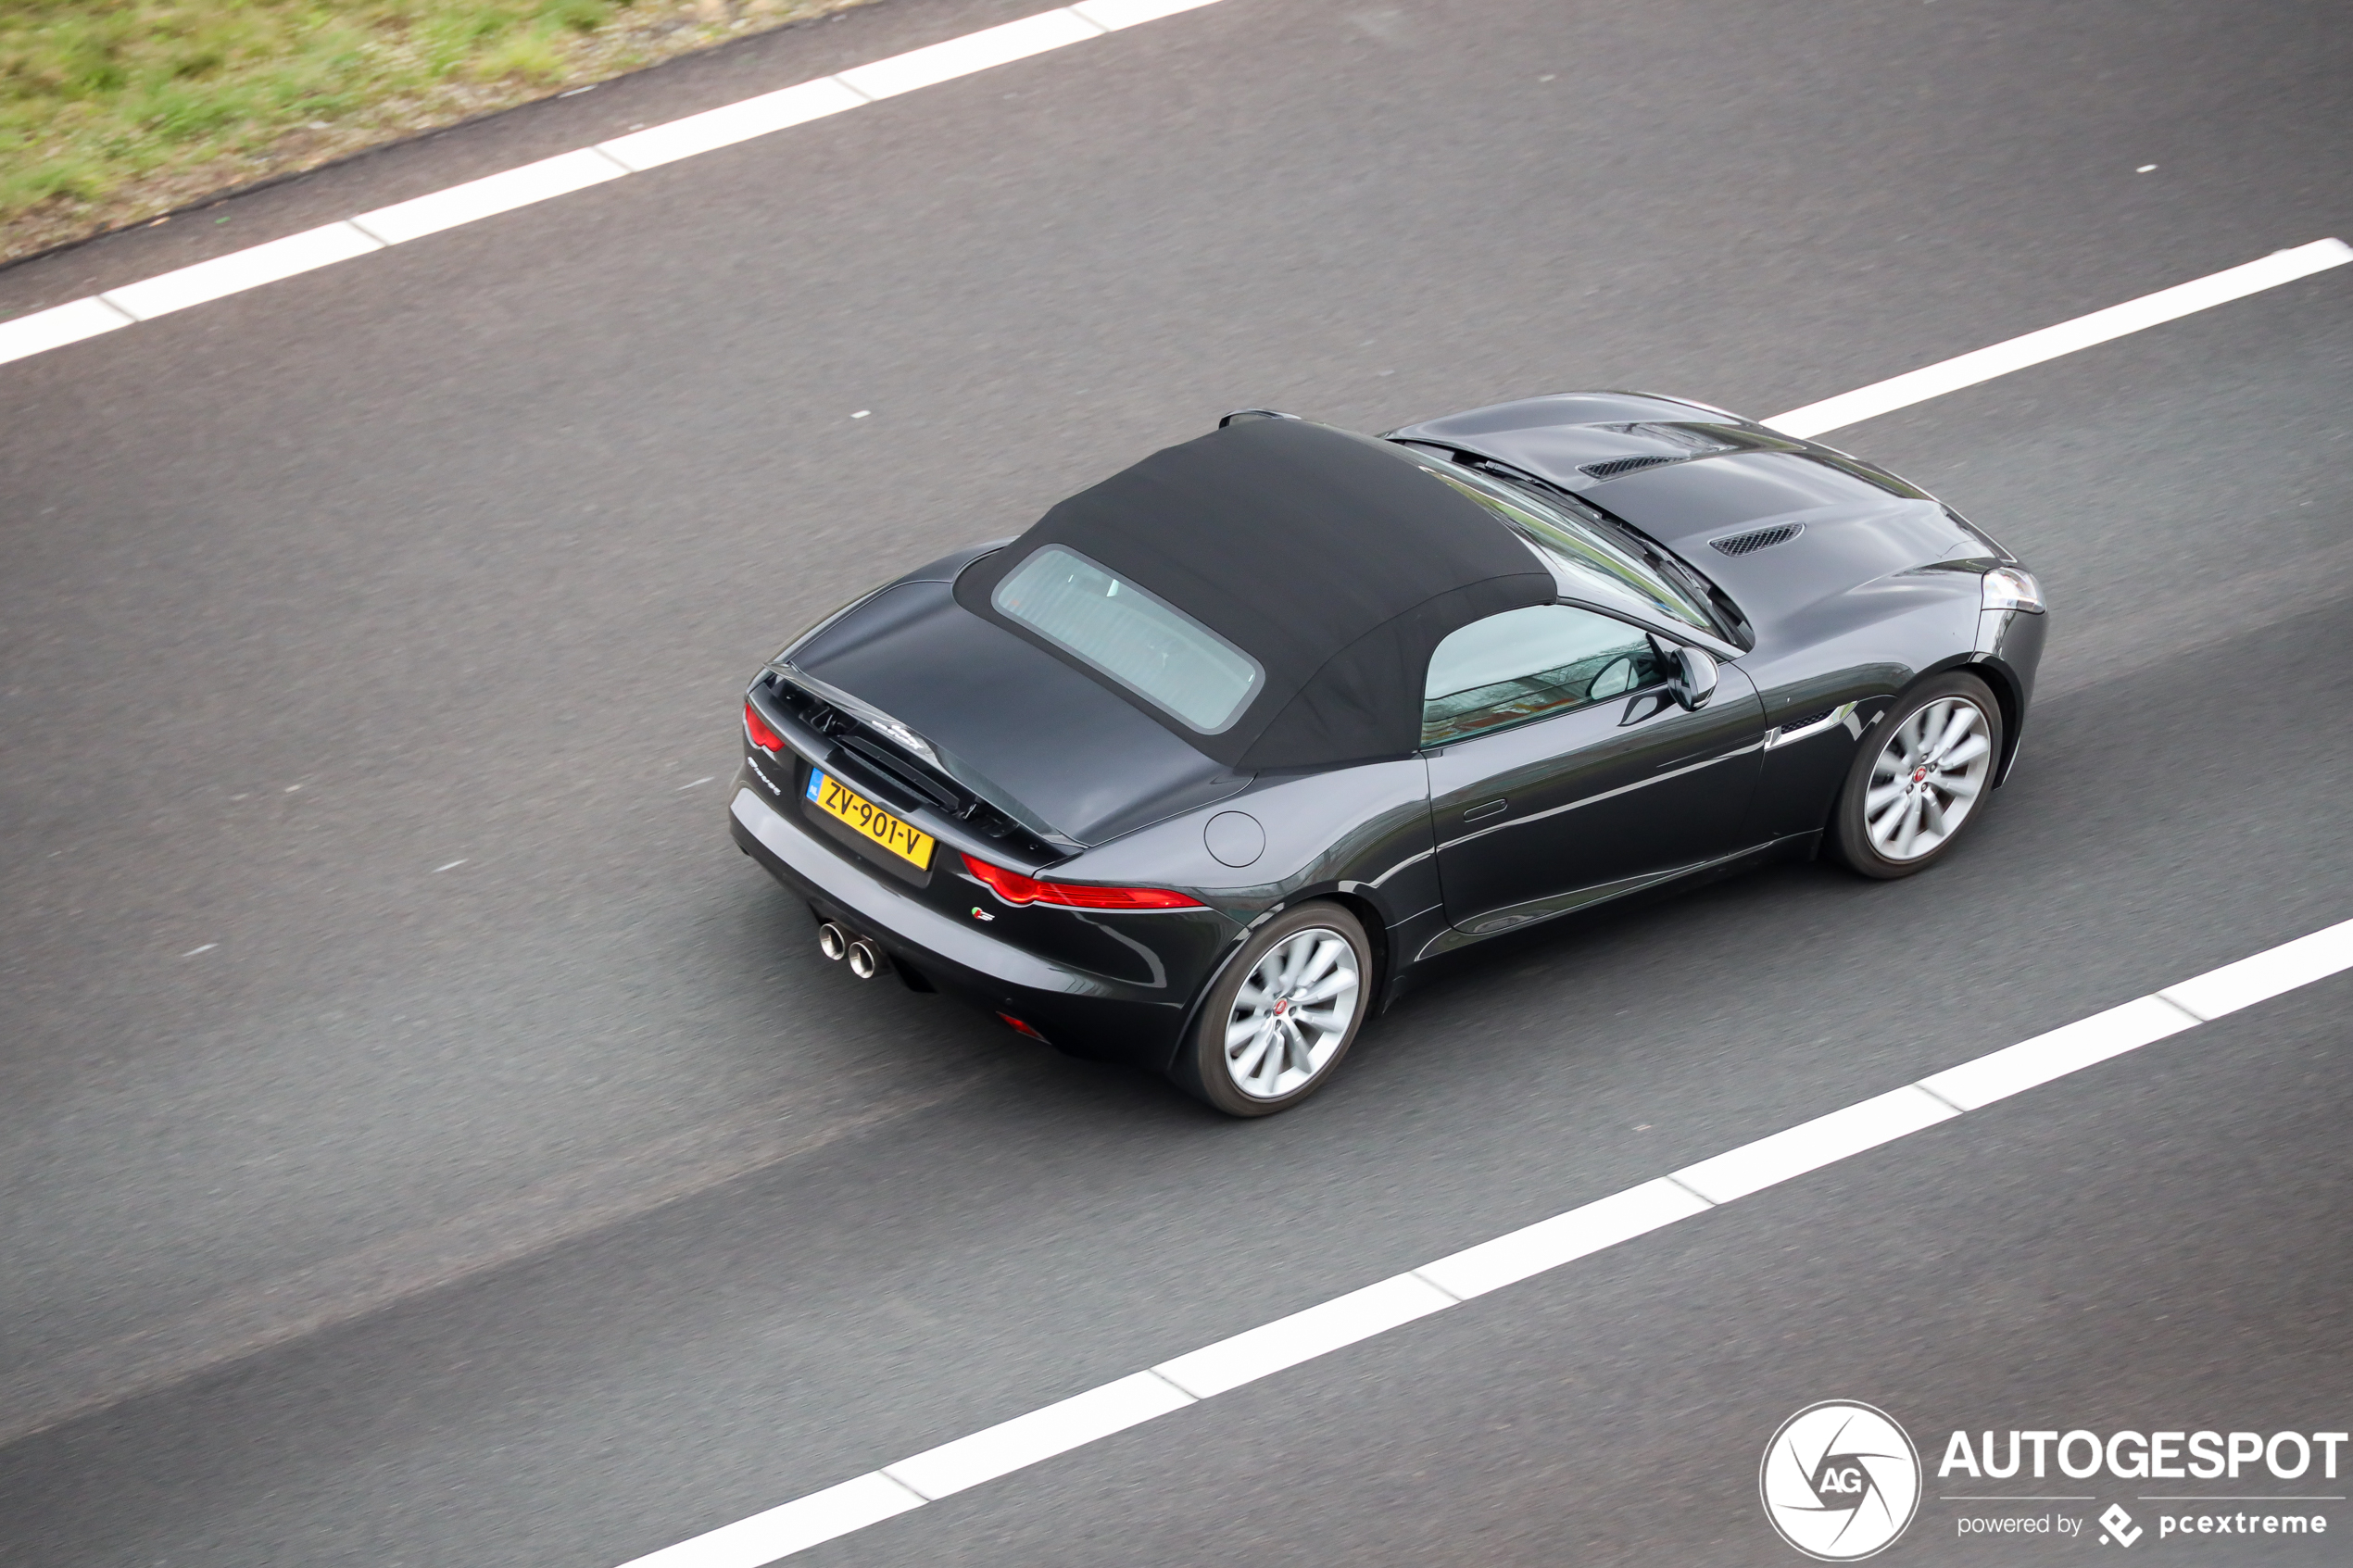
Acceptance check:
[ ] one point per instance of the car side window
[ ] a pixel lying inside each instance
(1531, 663)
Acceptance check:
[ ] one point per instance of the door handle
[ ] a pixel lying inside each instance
(1477, 812)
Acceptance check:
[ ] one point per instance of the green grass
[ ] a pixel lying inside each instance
(111, 110)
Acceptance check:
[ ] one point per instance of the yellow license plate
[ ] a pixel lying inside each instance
(870, 821)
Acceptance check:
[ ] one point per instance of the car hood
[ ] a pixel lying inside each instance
(1017, 726)
(1779, 523)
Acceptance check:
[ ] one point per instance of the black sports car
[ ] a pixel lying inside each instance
(1199, 771)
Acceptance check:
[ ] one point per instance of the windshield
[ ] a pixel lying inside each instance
(1152, 648)
(1575, 546)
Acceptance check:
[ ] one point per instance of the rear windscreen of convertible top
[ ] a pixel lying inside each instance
(1161, 654)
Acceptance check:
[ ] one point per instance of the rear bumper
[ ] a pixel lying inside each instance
(1084, 1013)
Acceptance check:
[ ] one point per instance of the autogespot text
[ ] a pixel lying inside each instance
(2155, 1456)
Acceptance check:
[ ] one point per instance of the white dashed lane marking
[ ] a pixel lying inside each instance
(1375, 1308)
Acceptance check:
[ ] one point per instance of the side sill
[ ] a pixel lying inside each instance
(1498, 923)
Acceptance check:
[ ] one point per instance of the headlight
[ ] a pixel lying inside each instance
(2012, 587)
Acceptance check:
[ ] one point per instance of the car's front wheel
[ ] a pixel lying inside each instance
(1275, 1027)
(1919, 778)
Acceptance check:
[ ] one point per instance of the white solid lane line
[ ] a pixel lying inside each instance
(2100, 326)
(240, 271)
(71, 323)
(1023, 1441)
(803, 1523)
(2063, 1050)
(2267, 974)
(557, 176)
(730, 123)
(567, 172)
(1809, 1146)
(1564, 1238)
(1321, 1329)
(1112, 15)
(1375, 1308)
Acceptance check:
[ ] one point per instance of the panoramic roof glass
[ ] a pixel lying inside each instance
(1156, 651)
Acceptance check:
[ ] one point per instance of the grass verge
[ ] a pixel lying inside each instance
(114, 111)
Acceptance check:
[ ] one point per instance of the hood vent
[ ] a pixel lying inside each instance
(1617, 466)
(1763, 539)
(1696, 441)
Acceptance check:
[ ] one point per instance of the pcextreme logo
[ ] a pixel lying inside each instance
(1840, 1481)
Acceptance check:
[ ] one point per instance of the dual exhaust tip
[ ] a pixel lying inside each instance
(866, 960)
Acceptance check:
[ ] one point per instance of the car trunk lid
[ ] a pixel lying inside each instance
(1001, 717)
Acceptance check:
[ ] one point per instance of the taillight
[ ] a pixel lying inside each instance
(757, 728)
(1015, 888)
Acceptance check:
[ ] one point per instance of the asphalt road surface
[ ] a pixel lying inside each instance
(425, 1140)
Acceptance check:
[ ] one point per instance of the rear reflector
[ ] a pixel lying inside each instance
(1015, 888)
(757, 728)
(1021, 1028)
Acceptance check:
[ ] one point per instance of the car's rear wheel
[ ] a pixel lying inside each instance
(1275, 1027)
(1920, 779)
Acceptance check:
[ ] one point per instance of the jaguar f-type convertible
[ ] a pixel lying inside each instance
(1201, 770)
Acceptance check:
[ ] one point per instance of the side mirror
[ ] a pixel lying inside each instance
(1695, 679)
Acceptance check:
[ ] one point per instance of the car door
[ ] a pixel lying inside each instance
(1563, 772)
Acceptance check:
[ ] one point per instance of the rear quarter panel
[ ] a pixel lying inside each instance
(1366, 826)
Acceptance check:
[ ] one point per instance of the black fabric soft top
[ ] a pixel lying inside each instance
(1332, 559)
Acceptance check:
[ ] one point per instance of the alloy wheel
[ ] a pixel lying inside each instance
(1292, 1015)
(1926, 778)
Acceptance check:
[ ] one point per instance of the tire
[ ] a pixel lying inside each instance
(1286, 1047)
(1937, 749)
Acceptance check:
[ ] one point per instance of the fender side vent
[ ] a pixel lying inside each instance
(1763, 539)
(1617, 466)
